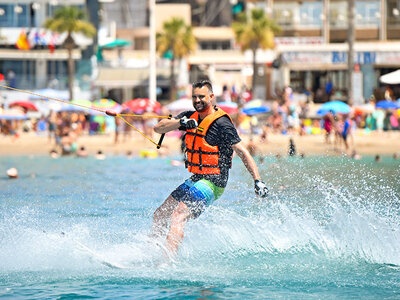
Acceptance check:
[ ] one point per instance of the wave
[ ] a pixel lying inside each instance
(338, 230)
(328, 217)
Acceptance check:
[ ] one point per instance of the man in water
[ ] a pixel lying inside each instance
(210, 141)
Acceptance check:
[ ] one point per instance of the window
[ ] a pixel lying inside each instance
(367, 13)
(284, 13)
(15, 15)
(215, 45)
(338, 14)
(311, 14)
(22, 15)
(301, 13)
(6, 15)
(393, 12)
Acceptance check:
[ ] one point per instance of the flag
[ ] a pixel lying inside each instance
(36, 39)
(52, 43)
(42, 38)
(22, 42)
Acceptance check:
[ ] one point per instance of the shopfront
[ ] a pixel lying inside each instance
(321, 69)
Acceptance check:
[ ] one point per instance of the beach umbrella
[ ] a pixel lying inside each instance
(106, 104)
(363, 108)
(56, 106)
(228, 107)
(391, 78)
(27, 105)
(180, 105)
(385, 104)
(81, 105)
(256, 110)
(337, 107)
(116, 44)
(13, 114)
(86, 103)
(254, 107)
(71, 108)
(254, 103)
(51, 93)
(141, 105)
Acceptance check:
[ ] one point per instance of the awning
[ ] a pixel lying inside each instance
(58, 54)
(316, 67)
(213, 33)
(391, 78)
(227, 57)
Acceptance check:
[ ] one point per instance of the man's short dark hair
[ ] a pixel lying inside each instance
(201, 83)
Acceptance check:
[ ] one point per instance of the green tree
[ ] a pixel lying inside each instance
(70, 19)
(253, 31)
(176, 40)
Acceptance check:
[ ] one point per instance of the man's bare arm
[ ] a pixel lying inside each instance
(247, 159)
(167, 125)
(260, 188)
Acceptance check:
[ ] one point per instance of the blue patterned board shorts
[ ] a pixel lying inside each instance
(197, 195)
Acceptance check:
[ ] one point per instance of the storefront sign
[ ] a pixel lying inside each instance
(339, 57)
(388, 58)
(336, 57)
(307, 57)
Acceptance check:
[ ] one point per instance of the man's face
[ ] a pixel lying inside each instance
(202, 99)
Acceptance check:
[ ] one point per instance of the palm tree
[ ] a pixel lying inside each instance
(253, 32)
(176, 39)
(70, 19)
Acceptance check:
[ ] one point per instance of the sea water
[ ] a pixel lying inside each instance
(329, 229)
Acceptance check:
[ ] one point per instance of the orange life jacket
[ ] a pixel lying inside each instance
(201, 157)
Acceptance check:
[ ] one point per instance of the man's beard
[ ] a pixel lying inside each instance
(202, 106)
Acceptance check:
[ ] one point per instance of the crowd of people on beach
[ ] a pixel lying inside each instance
(286, 116)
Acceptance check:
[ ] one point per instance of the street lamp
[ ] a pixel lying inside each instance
(350, 55)
(152, 50)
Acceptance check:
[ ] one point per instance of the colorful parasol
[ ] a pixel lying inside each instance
(180, 105)
(254, 103)
(116, 43)
(256, 110)
(336, 107)
(12, 114)
(44, 94)
(86, 103)
(80, 105)
(255, 107)
(363, 108)
(385, 104)
(228, 107)
(107, 104)
(141, 105)
(26, 105)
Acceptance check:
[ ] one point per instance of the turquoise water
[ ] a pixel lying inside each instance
(330, 229)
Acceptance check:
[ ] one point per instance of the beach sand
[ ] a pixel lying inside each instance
(383, 143)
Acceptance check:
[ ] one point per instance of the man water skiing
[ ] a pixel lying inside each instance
(210, 141)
